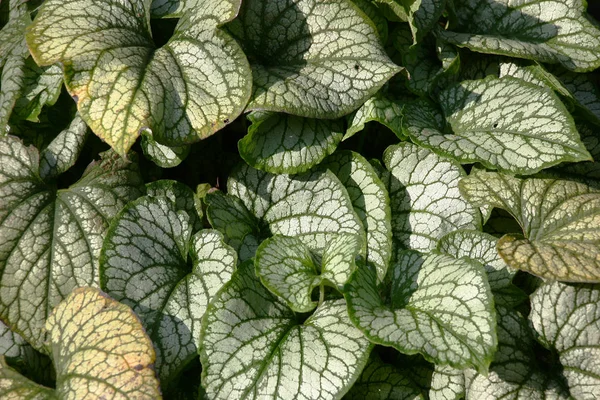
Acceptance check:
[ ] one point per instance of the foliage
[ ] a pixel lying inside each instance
(299, 199)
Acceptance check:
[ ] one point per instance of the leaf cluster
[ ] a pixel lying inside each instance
(299, 199)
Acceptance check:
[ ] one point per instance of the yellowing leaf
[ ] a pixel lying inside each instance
(100, 351)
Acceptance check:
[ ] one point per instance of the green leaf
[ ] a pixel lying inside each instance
(447, 383)
(423, 16)
(370, 201)
(182, 92)
(282, 357)
(584, 89)
(287, 268)
(13, 54)
(25, 359)
(51, 239)
(144, 263)
(62, 153)
(375, 15)
(567, 319)
(424, 197)
(100, 350)
(162, 155)
(229, 215)
(180, 194)
(174, 8)
(560, 221)
(439, 306)
(516, 373)
(311, 58)
(312, 207)
(380, 380)
(551, 31)
(392, 9)
(505, 124)
(480, 247)
(286, 144)
(378, 108)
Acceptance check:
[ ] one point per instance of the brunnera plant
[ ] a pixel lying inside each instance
(299, 199)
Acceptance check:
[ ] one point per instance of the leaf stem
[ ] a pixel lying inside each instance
(321, 294)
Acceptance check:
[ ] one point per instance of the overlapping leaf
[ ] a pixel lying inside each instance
(311, 58)
(145, 264)
(384, 381)
(439, 306)
(552, 31)
(312, 206)
(560, 221)
(62, 153)
(253, 346)
(370, 201)
(182, 92)
(100, 350)
(378, 108)
(505, 124)
(516, 373)
(447, 383)
(567, 319)
(51, 239)
(424, 197)
(481, 247)
(281, 143)
(289, 270)
(162, 155)
(423, 15)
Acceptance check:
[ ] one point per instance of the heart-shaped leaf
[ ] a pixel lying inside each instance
(51, 239)
(552, 31)
(100, 350)
(288, 269)
(439, 306)
(424, 197)
(283, 358)
(312, 206)
(182, 92)
(567, 319)
(505, 124)
(286, 144)
(371, 202)
(308, 65)
(145, 264)
(560, 221)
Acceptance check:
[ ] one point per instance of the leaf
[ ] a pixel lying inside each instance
(100, 350)
(312, 207)
(529, 31)
(584, 89)
(424, 197)
(439, 306)
(567, 319)
(371, 203)
(162, 155)
(560, 221)
(380, 380)
(287, 268)
(423, 15)
(40, 87)
(286, 144)
(378, 108)
(182, 92)
(229, 215)
(19, 355)
(282, 357)
(480, 247)
(51, 239)
(309, 65)
(62, 153)
(447, 383)
(172, 8)
(516, 373)
(180, 194)
(505, 124)
(144, 264)
(374, 13)
(13, 54)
